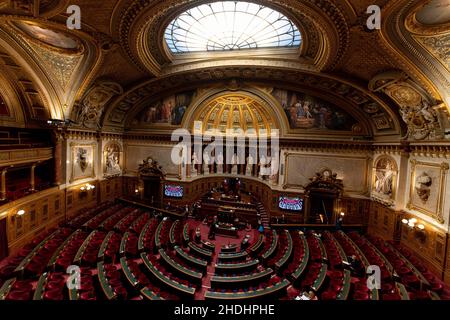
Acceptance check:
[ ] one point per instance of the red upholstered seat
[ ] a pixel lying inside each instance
(361, 295)
(19, 295)
(391, 296)
(328, 295)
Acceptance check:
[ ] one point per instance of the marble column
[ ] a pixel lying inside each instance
(3, 186)
(58, 140)
(32, 178)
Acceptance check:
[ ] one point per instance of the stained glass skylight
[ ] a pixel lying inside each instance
(230, 25)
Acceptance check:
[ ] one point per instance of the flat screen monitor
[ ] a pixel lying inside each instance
(291, 204)
(173, 191)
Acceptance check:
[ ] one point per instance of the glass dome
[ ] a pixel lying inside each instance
(230, 25)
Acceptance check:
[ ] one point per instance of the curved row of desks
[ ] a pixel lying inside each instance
(188, 273)
(346, 285)
(21, 267)
(158, 234)
(104, 246)
(132, 280)
(287, 254)
(320, 277)
(257, 294)
(237, 267)
(195, 262)
(104, 284)
(82, 249)
(150, 295)
(178, 287)
(218, 281)
(51, 263)
(273, 247)
(206, 254)
(302, 266)
(233, 256)
(6, 288)
(257, 246)
(172, 236)
(39, 291)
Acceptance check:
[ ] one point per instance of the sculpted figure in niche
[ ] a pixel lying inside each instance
(384, 177)
(423, 186)
(219, 161)
(194, 164)
(234, 162)
(250, 163)
(112, 160)
(206, 160)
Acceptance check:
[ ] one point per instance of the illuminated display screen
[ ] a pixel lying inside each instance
(173, 191)
(293, 204)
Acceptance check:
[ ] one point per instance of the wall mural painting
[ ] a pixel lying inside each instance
(427, 188)
(168, 111)
(307, 112)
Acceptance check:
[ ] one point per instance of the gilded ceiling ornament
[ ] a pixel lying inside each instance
(91, 108)
(416, 107)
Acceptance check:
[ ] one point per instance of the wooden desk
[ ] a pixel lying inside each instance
(206, 254)
(198, 263)
(273, 246)
(257, 246)
(302, 267)
(150, 295)
(172, 236)
(228, 257)
(257, 294)
(178, 287)
(101, 252)
(134, 282)
(239, 281)
(104, 284)
(229, 248)
(287, 255)
(182, 270)
(237, 267)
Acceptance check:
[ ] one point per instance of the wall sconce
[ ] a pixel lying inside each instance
(20, 213)
(342, 214)
(419, 229)
(87, 187)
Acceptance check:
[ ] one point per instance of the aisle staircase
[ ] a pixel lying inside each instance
(264, 216)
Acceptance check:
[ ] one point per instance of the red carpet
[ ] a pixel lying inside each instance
(219, 242)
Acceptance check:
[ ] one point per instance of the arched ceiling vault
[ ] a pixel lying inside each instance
(126, 53)
(384, 122)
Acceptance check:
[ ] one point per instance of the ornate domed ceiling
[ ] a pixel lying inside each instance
(322, 48)
(230, 25)
(233, 114)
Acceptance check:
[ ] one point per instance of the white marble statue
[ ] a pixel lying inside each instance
(250, 163)
(219, 161)
(274, 168)
(194, 164)
(112, 162)
(206, 162)
(234, 162)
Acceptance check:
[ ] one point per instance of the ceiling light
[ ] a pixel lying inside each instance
(405, 221)
(411, 224)
(421, 226)
(413, 220)
(21, 212)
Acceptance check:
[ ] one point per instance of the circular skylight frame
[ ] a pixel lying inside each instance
(229, 26)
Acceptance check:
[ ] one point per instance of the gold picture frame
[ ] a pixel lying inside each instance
(424, 204)
(77, 173)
